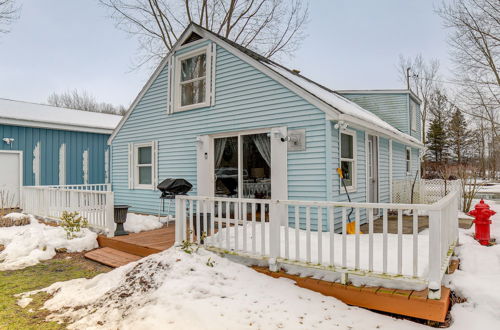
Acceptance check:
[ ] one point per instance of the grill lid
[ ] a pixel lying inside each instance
(175, 186)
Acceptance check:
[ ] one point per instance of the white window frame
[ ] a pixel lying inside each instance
(137, 185)
(208, 79)
(413, 116)
(408, 161)
(353, 186)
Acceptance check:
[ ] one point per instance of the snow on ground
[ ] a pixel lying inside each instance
(478, 280)
(176, 290)
(28, 245)
(494, 188)
(219, 240)
(137, 222)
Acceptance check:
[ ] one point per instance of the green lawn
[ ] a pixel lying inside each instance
(61, 268)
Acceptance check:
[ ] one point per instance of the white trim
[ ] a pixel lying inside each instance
(354, 160)
(130, 165)
(135, 166)
(85, 166)
(36, 163)
(170, 69)
(214, 64)
(62, 164)
(367, 167)
(378, 168)
(413, 116)
(408, 161)
(42, 124)
(390, 170)
(106, 166)
(177, 79)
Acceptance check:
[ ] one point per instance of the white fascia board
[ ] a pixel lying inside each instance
(311, 98)
(379, 131)
(64, 127)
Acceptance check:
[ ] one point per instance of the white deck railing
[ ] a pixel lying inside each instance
(312, 234)
(93, 202)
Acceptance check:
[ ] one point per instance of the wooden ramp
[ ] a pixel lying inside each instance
(402, 302)
(120, 250)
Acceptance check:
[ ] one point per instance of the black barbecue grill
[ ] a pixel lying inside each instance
(169, 189)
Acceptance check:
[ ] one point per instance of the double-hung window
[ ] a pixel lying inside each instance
(348, 158)
(143, 165)
(408, 161)
(192, 80)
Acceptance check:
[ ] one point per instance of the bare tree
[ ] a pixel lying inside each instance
(269, 27)
(475, 49)
(8, 13)
(83, 101)
(422, 81)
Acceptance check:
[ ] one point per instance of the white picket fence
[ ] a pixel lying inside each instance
(93, 202)
(304, 233)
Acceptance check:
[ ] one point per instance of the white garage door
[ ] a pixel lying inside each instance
(10, 178)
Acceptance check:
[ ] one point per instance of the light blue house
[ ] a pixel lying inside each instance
(46, 145)
(236, 124)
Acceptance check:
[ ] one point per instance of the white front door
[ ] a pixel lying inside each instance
(10, 178)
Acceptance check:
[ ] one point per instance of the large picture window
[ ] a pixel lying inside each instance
(348, 158)
(192, 84)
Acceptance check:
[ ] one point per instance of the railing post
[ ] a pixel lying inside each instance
(179, 220)
(435, 255)
(275, 214)
(110, 208)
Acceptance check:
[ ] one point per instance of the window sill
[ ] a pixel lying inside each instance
(143, 187)
(192, 107)
(349, 190)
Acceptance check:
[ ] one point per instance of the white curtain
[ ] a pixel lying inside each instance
(263, 144)
(220, 145)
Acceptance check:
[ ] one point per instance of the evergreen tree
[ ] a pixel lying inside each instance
(459, 135)
(437, 140)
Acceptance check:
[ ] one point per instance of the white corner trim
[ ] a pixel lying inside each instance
(106, 166)
(85, 166)
(390, 170)
(62, 164)
(367, 168)
(36, 163)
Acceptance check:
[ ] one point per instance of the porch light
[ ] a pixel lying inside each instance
(341, 124)
(8, 140)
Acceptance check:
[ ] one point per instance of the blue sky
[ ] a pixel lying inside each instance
(60, 45)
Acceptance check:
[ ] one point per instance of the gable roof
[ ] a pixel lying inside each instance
(333, 104)
(29, 114)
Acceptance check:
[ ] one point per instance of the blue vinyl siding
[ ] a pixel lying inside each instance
(245, 99)
(26, 138)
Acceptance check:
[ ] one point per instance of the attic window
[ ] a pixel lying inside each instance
(193, 37)
(192, 80)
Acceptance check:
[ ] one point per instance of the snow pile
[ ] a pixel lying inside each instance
(478, 279)
(176, 290)
(136, 223)
(28, 245)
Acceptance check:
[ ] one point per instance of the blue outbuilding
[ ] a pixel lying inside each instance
(47, 145)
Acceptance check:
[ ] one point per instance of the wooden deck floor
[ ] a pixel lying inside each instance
(120, 250)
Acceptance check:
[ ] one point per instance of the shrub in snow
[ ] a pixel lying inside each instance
(73, 224)
(14, 219)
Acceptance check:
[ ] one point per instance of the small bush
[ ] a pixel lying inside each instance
(72, 223)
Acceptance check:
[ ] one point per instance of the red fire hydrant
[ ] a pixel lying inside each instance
(482, 214)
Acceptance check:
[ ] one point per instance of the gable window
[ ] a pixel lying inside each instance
(348, 158)
(413, 118)
(192, 80)
(408, 160)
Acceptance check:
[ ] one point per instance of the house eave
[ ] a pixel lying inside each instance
(58, 126)
(379, 131)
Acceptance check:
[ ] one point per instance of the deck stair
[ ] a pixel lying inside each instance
(121, 250)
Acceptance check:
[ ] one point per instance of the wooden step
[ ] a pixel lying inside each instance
(125, 246)
(111, 257)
